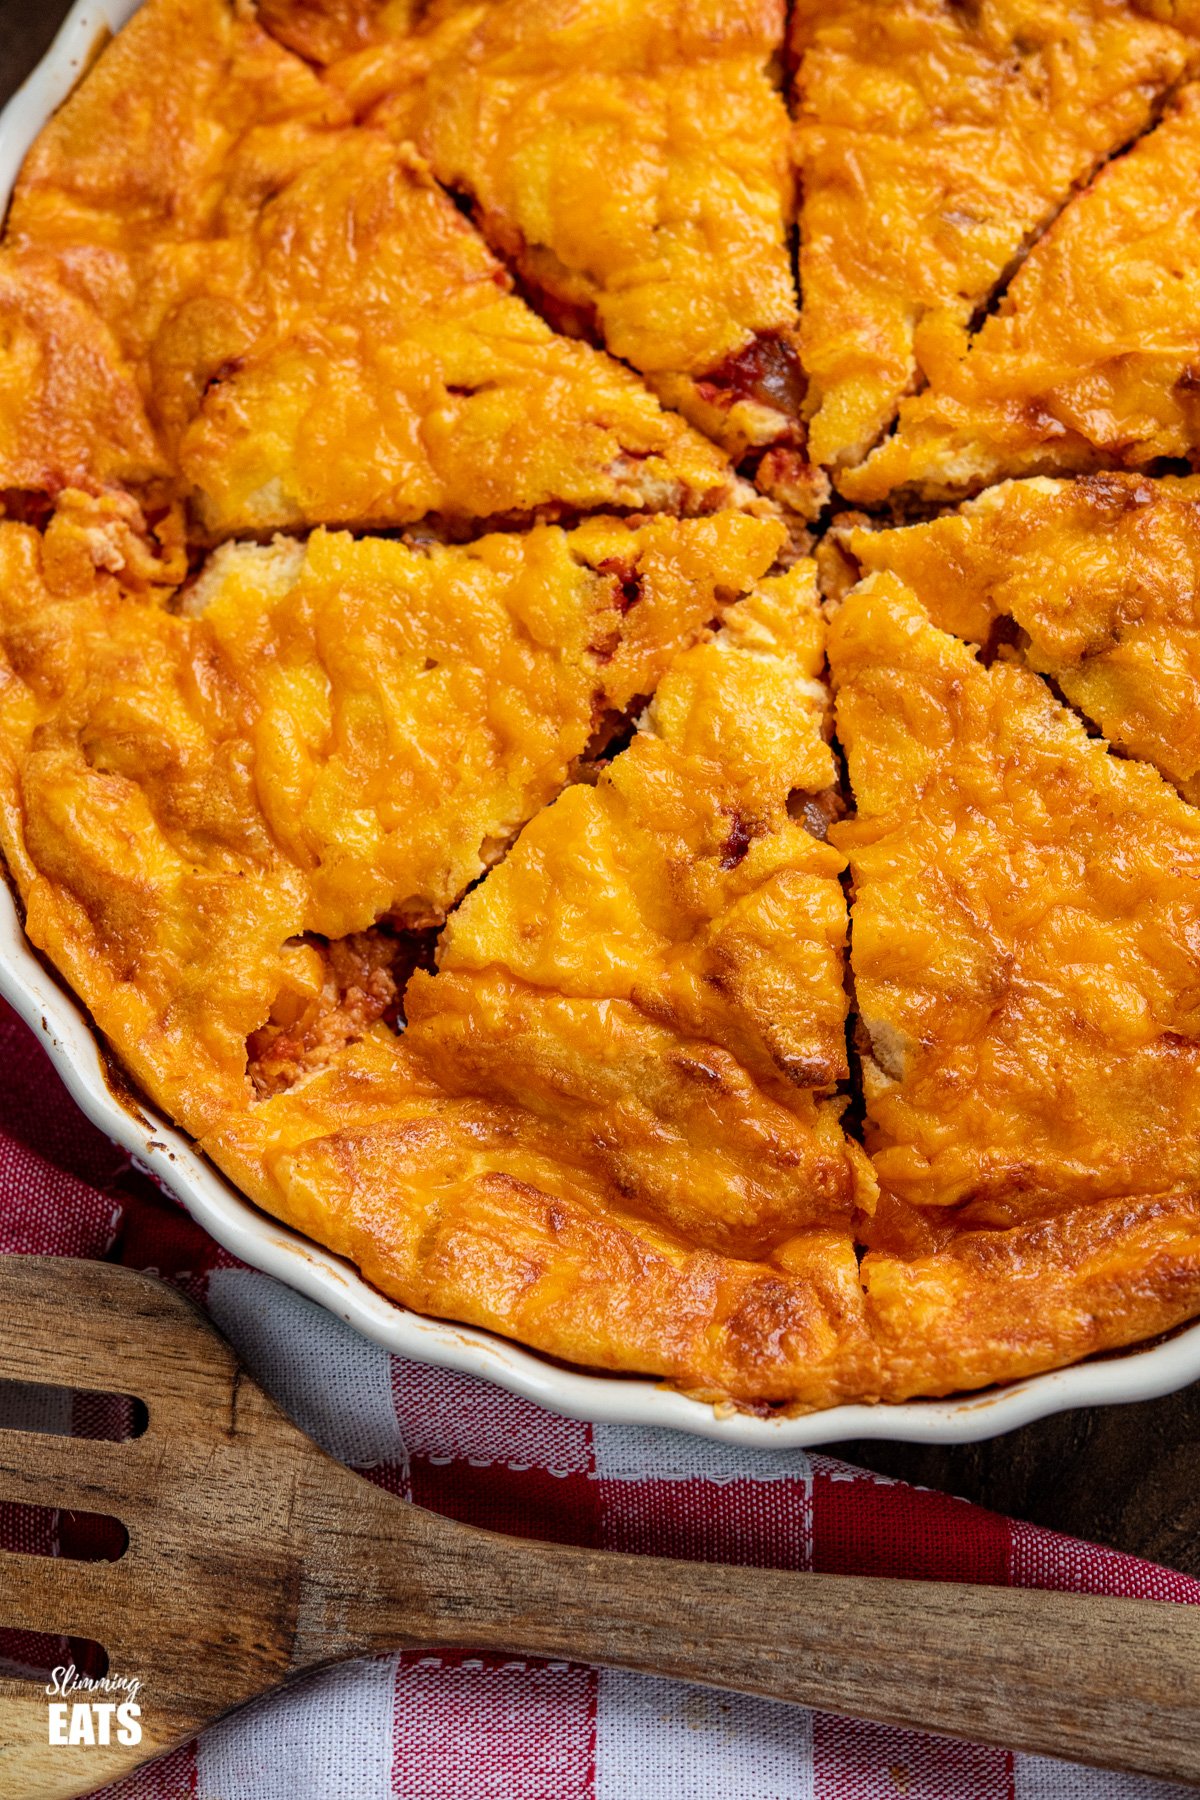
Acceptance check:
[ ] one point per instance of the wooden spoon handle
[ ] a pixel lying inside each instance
(1107, 1681)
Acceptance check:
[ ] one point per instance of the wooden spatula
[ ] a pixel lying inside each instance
(253, 1556)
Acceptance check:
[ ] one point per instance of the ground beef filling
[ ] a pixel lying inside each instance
(335, 992)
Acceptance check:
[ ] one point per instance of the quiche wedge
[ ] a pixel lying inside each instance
(935, 142)
(1099, 576)
(607, 1156)
(281, 285)
(632, 165)
(1024, 914)
(1091, 360)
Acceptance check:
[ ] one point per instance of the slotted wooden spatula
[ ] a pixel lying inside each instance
(253, 1556)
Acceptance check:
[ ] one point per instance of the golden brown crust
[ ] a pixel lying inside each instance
(326, 31)
(71, 411)
(998, 1305)
(450, 1206)
(130, 823)
(125, 190)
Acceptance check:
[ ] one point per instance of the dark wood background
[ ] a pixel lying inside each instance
(1125, 1475)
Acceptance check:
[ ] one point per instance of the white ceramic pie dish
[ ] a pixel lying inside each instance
(70, 1040)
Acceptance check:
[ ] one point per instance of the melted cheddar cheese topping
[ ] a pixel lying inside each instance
(424, 747)
(934, 141)
(634, 162)
(1101, 577)
(1092, 359)
(658, 963)
(1025, 906)
(315, 331)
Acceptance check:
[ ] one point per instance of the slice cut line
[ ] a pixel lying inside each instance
(656, 968)
(1101, 576)
(1092, 361)
(935, 142)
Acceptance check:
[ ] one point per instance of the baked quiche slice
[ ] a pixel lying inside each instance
(320, 336)
(461, 403)
(657, 965)
(934, 141)
(411, 706)
(1092, 360)
(477, 1211)
(1025, 910)
(632, 163)
(1099, 576)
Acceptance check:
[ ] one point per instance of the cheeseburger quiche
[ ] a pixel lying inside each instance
(600, 657)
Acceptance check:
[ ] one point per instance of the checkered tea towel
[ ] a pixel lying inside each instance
(458, 1726)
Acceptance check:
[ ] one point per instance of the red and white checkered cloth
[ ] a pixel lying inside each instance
(455, 1726)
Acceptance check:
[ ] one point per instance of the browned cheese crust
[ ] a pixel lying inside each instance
(1025, 912)
(935, 140)
(283, 287)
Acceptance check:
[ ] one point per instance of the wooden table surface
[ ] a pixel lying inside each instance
(1125, 1475)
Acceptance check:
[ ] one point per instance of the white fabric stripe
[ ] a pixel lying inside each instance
(1037, 1778)
(639, 1453)
(449, 1417)
(328, 1738)
(333, 1382)
(660, 1740)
